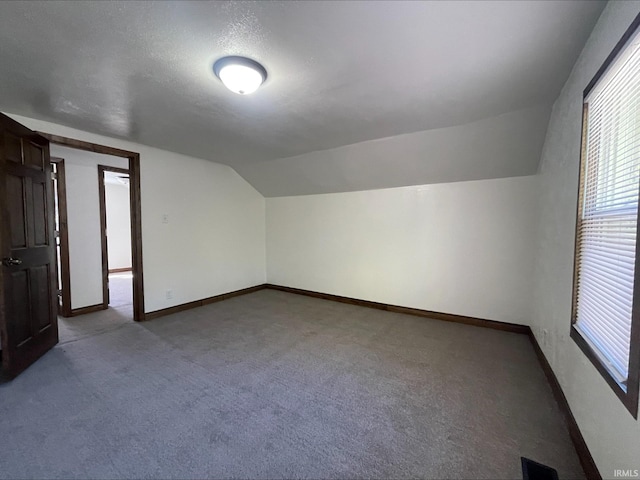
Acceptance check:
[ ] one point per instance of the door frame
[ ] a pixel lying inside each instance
(134, 203)
(65, 275)
(102, 196)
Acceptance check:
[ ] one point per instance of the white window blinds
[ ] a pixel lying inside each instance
(608, 217)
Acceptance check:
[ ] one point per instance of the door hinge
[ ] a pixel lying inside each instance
(54, 176)
(56, 234)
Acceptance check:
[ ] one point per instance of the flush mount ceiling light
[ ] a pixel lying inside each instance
(239, 74)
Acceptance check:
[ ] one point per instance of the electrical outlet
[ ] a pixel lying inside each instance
(169, 294)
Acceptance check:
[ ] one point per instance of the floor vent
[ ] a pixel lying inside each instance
(536, 471)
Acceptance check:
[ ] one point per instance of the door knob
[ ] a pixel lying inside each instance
(10, 262)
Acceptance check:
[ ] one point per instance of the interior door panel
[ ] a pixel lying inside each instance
(28, 297)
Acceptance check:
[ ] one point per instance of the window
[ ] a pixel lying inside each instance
(606, 303)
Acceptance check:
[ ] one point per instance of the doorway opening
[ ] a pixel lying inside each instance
(120, 282)
(61, 236)
(115, 234)
(32, 241)
(92, 239)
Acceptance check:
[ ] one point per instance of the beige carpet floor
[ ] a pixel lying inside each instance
(277, 385)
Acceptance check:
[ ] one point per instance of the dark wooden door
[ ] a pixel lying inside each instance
(28, 297)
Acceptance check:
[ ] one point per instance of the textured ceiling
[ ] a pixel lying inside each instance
(339, 72)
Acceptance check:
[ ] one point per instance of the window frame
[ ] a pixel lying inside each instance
(631, 396)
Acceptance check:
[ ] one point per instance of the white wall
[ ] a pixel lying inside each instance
(215, 239)
(118, 225)
(613, 436)
(463, 248)
(83, 216)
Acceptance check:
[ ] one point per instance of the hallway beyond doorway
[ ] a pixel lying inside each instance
(119, 313)
(120, 290)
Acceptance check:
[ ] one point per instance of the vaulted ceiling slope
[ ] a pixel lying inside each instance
(340, 73)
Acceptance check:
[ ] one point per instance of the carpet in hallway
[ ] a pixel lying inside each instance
(120, 289)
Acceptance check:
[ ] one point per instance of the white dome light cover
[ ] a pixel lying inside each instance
(239, 74)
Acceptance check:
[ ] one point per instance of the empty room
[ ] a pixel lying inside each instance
(319, 239)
